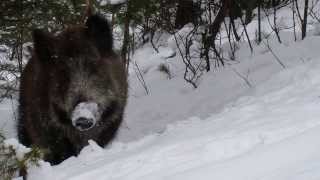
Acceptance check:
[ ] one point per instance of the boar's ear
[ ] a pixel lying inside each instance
(43, 45)
(100, 33)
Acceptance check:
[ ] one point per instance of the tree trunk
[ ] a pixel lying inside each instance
(293, 20)
(304, 22)
(259, 21)
(233, 15)
(187, 12)
(213, 31)
(275, 28)
(215, 26)
(126, 37)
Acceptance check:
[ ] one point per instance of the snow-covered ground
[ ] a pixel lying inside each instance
(225, 129)
(269, 131)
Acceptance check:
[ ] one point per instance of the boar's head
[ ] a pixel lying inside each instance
(87, 84)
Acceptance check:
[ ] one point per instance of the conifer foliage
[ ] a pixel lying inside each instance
(16, 158)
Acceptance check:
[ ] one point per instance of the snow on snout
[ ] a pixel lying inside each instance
(87, 110)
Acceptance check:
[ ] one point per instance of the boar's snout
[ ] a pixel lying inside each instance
(84, 124)
(84, 115)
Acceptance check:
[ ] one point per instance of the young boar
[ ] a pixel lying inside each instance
(74, 88)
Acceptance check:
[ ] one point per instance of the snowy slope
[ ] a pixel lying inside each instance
(223, 130)
(270, 133)
(174, 100)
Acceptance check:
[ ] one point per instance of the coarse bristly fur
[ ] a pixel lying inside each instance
(77, 65)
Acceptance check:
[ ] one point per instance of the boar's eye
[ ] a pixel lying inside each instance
(110, 110)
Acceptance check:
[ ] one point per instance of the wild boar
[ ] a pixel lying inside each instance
(74, 88)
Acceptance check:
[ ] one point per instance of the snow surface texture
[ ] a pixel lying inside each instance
(270, 133)
(224, 130)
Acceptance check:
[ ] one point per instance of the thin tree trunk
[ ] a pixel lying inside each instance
(215, 26)
(234, 29)
(232, 18)
(186, 13)
(20, 38)
(275, 28)
(259, 21)
(246, 33)
(293, 20)
(126, 38)
(304, 22)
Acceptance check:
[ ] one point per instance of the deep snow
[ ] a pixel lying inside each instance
(269, 132)
(225, 129)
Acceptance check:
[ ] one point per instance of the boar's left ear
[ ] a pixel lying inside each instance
(43, 45)
(100, 33)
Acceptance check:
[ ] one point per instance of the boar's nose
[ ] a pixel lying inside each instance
(84, 124)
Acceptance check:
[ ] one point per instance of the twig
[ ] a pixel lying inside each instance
(140, 78)
(274, 55)
(245, 78)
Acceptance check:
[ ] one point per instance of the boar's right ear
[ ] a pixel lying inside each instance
(43, 45)
(99, 32)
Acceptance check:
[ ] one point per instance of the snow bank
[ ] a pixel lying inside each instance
(270, 132)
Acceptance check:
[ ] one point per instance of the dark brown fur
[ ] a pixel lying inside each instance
(75, 66)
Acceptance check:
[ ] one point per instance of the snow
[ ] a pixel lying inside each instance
(8, 118)
(113, 2)
(20, 149)
(271, 134)
(225, 129)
